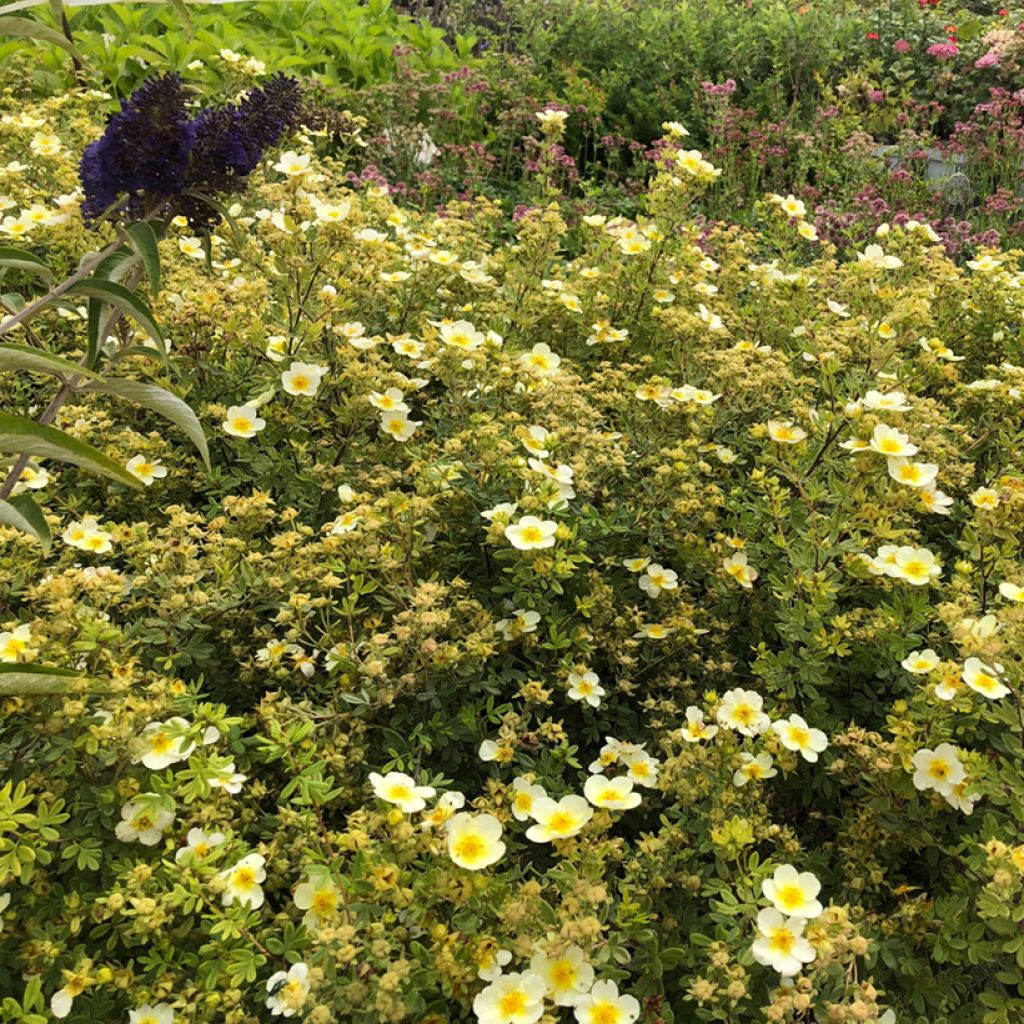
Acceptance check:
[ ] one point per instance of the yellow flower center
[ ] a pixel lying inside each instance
(399, 791)
(563, 974)
(560, 822)
(783, 940)
(245, 878)
(604, 1013)
(532, 534)
(469, 848)
(512, 1004)
(791, 896)
(324, 902)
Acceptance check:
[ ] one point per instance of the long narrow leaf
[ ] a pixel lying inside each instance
(147, 244)
(24, 357)
(26, 437)
(160, 401)
(126, 301)
(31, 680)
(19, 259)
(27, 28)
(24, 514)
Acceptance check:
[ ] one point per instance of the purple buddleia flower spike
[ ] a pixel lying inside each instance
(144, 151)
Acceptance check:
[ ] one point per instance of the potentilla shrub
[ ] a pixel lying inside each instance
(604, 621)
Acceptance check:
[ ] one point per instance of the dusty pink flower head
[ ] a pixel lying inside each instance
(987, 60)
(944, 51)
(901, 46)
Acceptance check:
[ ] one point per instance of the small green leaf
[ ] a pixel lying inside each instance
(24, 514)
(27, 28)
(160, 401)
(26, 437)
(24, 357)
(19, 259)
(27, 680)
(146, 243)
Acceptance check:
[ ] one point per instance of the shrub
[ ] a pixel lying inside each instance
(595, 508)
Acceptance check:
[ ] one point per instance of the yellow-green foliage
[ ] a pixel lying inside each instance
(335, 600)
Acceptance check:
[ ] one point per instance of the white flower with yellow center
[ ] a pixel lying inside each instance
(913, 474)
(33, 478)
(144, 820)
(916, 565)
(807, 231)
(795, 734)
(742, 710)
(984, 679)
(921, 662)
(474, 840)
(737, 567)
(192, 246)
(511, 999)
(292, 164)
(696, 729)
(754, 769)
(585, 686)
(199, 846)
(935, 501)
(558, 819)
(793, 892)
(447, 804)
(891, 401)
(531, 533)
(783, 432)
(653, 631)
(88, 535)
(540, 359)
(657, 578)
(522, 797)
(612, 794)
(16, 644)
(146, 470)
(939, 769)
(302, 379)
(398, 426)
(163, 744)
(567, 975)
(462, 335)
(288, 991)
(332, 213)
(491, 961)
(891, 442)
(874, 257)
(391, 400)
(603, 1005)
(985, 498)
(159, 1013)
(242, 882)
(641, 768)
(319, 896)
(401, 790)
(636, 564)
(780, 943)
(1012, 591)
(243, 421)
(519, 624)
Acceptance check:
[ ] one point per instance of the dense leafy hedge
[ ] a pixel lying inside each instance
(644, 518)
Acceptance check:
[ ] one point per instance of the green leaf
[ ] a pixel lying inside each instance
(24, 514)
(160, 401)
(146, 243)
(25, 357)
(26, 437)
(26, 680)
(27, 28)
(107, 292)
(182, 11)
(19, 259)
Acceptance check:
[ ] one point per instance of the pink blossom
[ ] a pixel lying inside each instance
(988, 60)
(901, 46)
(944, 51)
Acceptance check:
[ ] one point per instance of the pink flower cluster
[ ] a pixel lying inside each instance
(944, 51)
